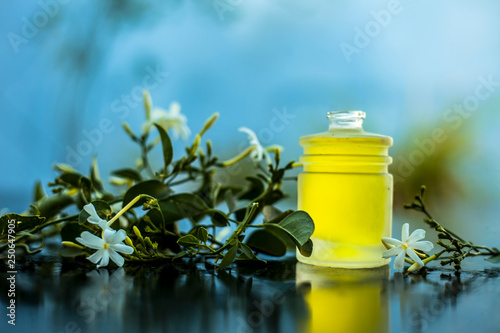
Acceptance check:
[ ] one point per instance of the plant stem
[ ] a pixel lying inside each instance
(46, 224)
(145, 159)
(128, 206)
(426, 212)
(182, 181)
(239, 230)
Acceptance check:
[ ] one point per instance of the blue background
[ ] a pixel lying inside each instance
(249, 60)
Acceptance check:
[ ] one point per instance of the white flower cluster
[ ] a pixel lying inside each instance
(109, 245)
(170, 119)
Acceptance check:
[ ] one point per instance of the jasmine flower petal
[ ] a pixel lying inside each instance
(96, 257)
(122, 248)
(89, 240)
(105, 259)
(117, 259)
(399, 262)
(405, 232)
(392, 241)
(416, 236)
(94, 217)
(414, 257)
(113, 236)
(392, 252)
(423, 246)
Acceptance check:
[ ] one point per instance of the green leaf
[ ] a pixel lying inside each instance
(180, 255)
(228, 257)
(255, 189)
(168, 151)
(278, 176)
(275, 196)
(247, 251)
(307, 248)
(230, 200)
(50, 206)
(178, 207)
(153, 187)
(280, 217)
(72, 230)
(240, 213)
(219, 219)
(270, 213)
(100, 206)
(189, 202)
(85, 192)
(70, 252)
(188, 241)
(95, 178)
(128, 173)
(298, 225)
(21, 222)
(202, 234)
(494, 259)
(169, 211)
(265, 241)
(248, 254)
(222, 193)
(70, 178)
(39, 192)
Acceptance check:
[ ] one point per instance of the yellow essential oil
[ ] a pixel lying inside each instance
(345, 300)
(346, 188)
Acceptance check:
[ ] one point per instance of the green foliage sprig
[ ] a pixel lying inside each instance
(454, 248)
(154, 234)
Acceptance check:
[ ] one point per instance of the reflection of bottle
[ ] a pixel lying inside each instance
(345, 300)
(347, 190)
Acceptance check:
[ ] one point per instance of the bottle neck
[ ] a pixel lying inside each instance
(351, 120)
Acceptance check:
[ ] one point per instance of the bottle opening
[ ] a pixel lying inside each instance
(346, 119)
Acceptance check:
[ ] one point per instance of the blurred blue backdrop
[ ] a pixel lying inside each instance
(415, 67)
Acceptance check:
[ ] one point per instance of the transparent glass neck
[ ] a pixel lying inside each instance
(352, 120)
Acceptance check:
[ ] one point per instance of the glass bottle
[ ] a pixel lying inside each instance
(346, 188)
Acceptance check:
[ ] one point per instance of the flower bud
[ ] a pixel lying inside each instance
(128, 241)
(137, 232)
(72, 245)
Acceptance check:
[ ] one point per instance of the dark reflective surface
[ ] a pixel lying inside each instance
(63, 296)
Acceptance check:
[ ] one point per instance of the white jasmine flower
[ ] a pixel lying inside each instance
(259, 152)
(171, 119)
(406, 246)
(94, 218)
(107, 247)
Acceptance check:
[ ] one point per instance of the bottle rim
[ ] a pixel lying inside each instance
(346, 114)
